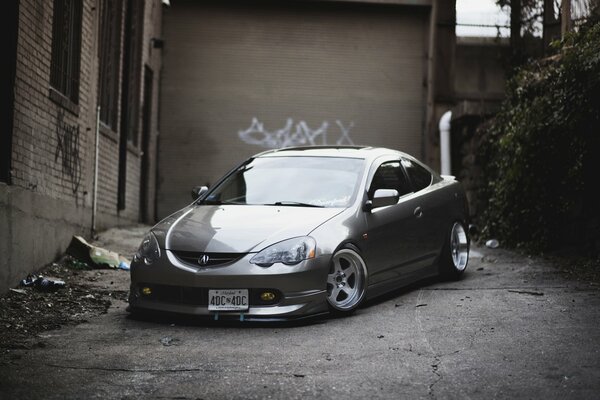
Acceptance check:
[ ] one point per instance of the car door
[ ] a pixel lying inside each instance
(393, 237)
(431, 212)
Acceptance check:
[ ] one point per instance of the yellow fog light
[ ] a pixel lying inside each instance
(146, 291)
(267, 296)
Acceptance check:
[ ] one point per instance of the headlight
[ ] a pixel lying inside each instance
(148, 251)
(288, 252)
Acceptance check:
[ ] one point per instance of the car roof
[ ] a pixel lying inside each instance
(363, 152)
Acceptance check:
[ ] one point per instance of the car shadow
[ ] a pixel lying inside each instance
(408, 289)
(224, 321)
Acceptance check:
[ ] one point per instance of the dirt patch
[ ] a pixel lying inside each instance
(88, 292)
(26, 312)
(582, 269)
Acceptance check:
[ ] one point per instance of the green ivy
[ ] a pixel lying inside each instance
(540, 154)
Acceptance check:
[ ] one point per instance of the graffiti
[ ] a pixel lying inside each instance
(67, 149)
(299, 134)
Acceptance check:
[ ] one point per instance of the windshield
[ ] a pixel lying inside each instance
(291, 181)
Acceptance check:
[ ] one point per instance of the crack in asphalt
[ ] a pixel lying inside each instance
(175, 370)
(436, 358)
(435, 370)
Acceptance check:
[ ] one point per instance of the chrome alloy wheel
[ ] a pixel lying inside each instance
(346, 280)
(459, 247)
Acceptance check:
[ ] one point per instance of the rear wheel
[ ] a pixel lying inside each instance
(455, 254)
(346, 281)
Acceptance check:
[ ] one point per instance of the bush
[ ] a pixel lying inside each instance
(541, 153)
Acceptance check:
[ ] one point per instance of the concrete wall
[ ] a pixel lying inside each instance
(35, 230)
(480, 72)
(53, 146)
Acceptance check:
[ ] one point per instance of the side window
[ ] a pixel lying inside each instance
(420, 177)
(389, 175)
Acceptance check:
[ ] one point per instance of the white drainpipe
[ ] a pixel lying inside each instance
(445, 158)
(95, 195)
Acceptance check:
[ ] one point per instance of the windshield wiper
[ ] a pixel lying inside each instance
(294, 204)
(211, 202)
(221, 203)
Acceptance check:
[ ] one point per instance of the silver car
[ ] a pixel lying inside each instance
(301, 231)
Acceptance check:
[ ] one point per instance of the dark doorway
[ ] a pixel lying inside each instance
(146, 133)
(9, 19)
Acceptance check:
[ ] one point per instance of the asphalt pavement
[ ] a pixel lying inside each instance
(514, 327)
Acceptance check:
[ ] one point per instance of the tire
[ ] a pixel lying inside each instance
(346, 281)
(455, 253)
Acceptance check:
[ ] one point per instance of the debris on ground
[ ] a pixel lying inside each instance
(30, 310)
(492, 244)
(89, 289)
(169, 341)
(42, 284)
(103, 257)
(123, 264)
(95, 256)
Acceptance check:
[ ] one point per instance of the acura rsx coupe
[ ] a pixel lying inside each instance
(302, 231)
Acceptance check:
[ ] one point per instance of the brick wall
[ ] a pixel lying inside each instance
(53, 146)
(42, 160)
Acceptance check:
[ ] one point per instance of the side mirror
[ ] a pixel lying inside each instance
(382, 198)
(198, 191)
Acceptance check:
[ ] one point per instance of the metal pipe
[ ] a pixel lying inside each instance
(445, 148)
(95, 197)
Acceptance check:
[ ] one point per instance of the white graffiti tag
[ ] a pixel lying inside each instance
(292, 134)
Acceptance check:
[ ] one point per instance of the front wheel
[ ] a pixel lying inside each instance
(346, 281)
(455, 254)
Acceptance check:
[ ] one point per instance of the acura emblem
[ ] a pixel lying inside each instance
(204, 259)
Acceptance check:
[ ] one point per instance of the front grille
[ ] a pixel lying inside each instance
(195, 296)
(210, 259)
(178, 295)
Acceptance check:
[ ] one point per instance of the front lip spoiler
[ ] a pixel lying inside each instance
(222, 317)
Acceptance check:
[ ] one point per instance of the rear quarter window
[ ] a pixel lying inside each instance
(419, 175)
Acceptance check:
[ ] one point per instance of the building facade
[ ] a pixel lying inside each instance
(78, 123)
(241, 77)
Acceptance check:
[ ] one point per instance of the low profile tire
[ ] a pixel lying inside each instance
(455, 254)
(346, 281)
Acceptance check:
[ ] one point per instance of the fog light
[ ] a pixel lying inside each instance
(146, 291)
(267, 296)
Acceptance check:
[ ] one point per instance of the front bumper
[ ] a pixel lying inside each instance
(180, 287)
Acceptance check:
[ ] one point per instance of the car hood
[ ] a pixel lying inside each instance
(242, 228)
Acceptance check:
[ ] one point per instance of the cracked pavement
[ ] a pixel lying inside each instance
(513, 327)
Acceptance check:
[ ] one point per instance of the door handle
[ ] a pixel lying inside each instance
(418, 212)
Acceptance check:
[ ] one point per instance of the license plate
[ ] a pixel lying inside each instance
(228, 300)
